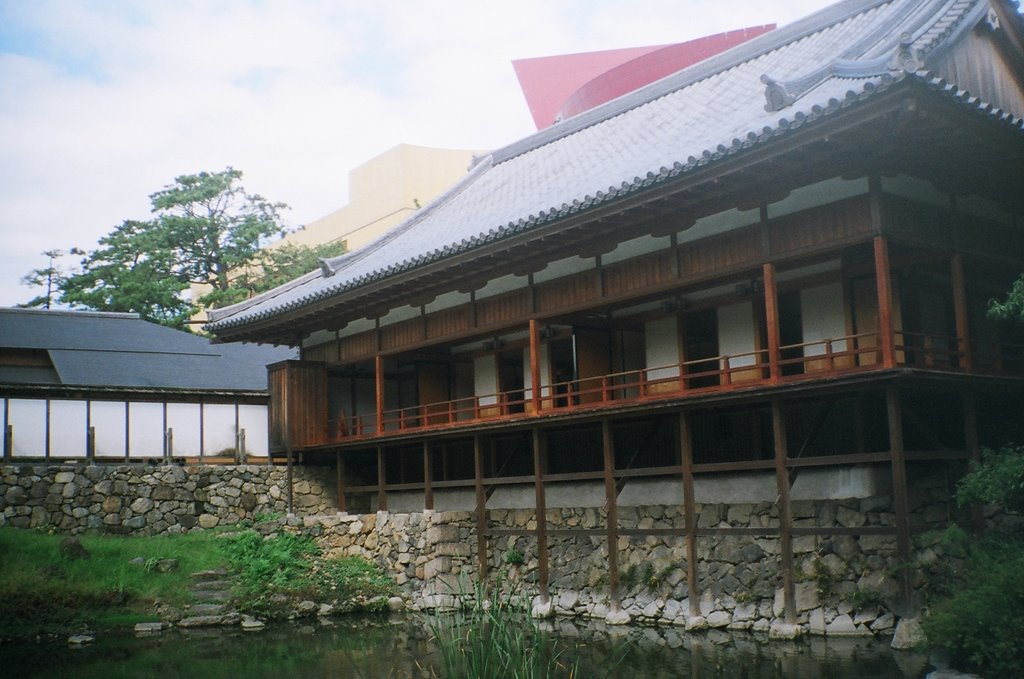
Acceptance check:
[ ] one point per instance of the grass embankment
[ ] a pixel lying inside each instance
(44, 591)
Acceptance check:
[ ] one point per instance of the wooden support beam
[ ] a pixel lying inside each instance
(340, 468)
(481, 510)
(378, 370)
(428, 488)
(963, 333)
(689, 511)
(785, 515)
(899, 494)
(883, 283)
(771, 312)
(535, 366)
(612, 512)
(382, 496)
(291, 484)
(539, 453)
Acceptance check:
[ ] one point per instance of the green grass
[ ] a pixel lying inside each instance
(42, 591)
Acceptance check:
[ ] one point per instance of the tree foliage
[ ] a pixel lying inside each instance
(1011, 308)
(206, 230)
(998, 480)
(51, 278)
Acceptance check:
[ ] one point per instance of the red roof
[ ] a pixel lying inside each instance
(561, 86)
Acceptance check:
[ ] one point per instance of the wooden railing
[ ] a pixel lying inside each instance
(804, 361)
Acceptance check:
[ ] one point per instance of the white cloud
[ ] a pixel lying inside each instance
(103, 103)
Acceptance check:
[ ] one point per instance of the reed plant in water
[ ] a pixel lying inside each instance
(496, 637)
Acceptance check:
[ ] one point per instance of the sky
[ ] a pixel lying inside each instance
(104, 102)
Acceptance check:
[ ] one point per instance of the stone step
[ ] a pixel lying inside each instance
(231, 618)
(211, 595)
(215, 574)
(211, 585)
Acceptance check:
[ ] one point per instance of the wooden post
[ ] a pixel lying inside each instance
(883, 283)
(771, 308)
(90, 443)
(378, 368)
(340, 468)
(291, 497)
(481, 509)
(128, 431)
(899, 493)
(963, 331)
(689, 511)
(785, 518)
(539, 452)
(428, 488)
(168, 441)
(612, 500)
(535, 365)
(382, 496)
(46, 444)
(8, 442)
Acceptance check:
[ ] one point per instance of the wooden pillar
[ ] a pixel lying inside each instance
(46, 443)
(539, 453)
(382, 478)
(428, 488)
(899, 493)
(378, 369)
(340, 468)
(785, 516)
(291, 484)
(612, 501)
(771, 309)
(535, 366)
(963, 331)
(689, 511)
(481, 509)
(883, 283)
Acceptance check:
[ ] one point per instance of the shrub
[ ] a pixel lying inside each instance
(999, 479)
(979, 625)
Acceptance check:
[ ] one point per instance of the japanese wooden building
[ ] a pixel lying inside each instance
(768, 268)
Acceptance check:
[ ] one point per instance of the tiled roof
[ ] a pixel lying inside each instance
(121, 351)
(678, 125)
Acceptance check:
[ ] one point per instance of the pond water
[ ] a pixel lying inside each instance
(372, 647)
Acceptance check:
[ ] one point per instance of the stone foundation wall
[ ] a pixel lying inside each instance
(844, 585)
(148, 500)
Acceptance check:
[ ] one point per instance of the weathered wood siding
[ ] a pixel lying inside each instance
(298, 404)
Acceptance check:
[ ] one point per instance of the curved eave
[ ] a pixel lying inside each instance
(885, 94)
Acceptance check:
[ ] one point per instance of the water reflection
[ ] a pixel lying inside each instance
(401, 648)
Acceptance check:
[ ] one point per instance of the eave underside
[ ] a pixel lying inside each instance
(908, 130)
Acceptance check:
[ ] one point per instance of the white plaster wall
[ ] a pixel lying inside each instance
(253, 419)
(183, 418)
(661, 347)
(736, 333)
(68, 429)
(485, 379)
(28, 416)
(108, 418)
(823, 317)
(218, 427)
(146, 430)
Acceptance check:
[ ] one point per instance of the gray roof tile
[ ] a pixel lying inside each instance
(676, 125)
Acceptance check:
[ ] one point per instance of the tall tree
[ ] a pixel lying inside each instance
(51, 278)
(206, 230)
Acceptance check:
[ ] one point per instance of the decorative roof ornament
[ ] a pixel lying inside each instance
(906, 58)
(776, 95)
(992, 18)
(325, 268)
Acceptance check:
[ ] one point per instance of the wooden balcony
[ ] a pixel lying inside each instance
(808, 361)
